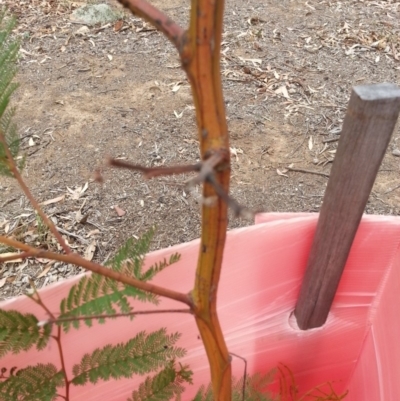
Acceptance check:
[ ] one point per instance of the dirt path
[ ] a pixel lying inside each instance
(117, 90)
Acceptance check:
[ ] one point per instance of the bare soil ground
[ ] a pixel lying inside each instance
(117, 90)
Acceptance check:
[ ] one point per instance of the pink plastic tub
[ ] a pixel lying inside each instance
(357, 349)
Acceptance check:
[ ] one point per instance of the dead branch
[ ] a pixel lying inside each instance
(392, 189)
(151, 172)
(206, 171)
(301, 170)
(329, 140)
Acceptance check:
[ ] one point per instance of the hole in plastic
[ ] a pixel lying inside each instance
(293, 323)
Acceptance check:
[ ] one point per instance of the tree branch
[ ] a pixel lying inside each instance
(10, 258)
(206, 171)
(158, 19)
(200, 59)
(199, 50)
(35, 204)
(74, 319)
(99, 269)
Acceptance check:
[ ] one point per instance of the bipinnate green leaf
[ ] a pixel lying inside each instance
(96, 295)
(34, 383)
(165, 385)
(130, 258)
(256, 387)
(19, 332)
(159, 267)
(8, 56)
(134, 251)
(142, 354)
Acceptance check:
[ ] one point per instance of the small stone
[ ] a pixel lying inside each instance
(396, 152)
(95, 14)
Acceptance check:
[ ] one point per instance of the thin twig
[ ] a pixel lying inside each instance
(206, 171)
(76, 259)
(110, 316)
(301, 143)
(151, 172)
(173, 183)
(62, 360)
(8, 201)
(330, 140)
(38, 300)
(391, 190)
(62, 231)
(158, 19)
(28, 194)
(300, 170)
(244, 374)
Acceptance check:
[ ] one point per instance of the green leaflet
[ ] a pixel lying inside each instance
(8, 56)
(19, 332)
(130, 258)
(166, 384)
(135, 251)
(255, 390)
(96, 295)
(204, 394)
(34, 383)
(142, 354)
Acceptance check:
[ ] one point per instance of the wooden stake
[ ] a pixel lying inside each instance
(369, 123)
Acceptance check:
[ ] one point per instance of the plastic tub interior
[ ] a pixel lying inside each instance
(357, 349)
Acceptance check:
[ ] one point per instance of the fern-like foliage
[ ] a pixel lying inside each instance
(19, 332)
(167, 384)
(142, 354)
(255, 389)
(130, 258)
(34, 383)
(8, 56)
(96, 295)
(134, 251)
(204, 394)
